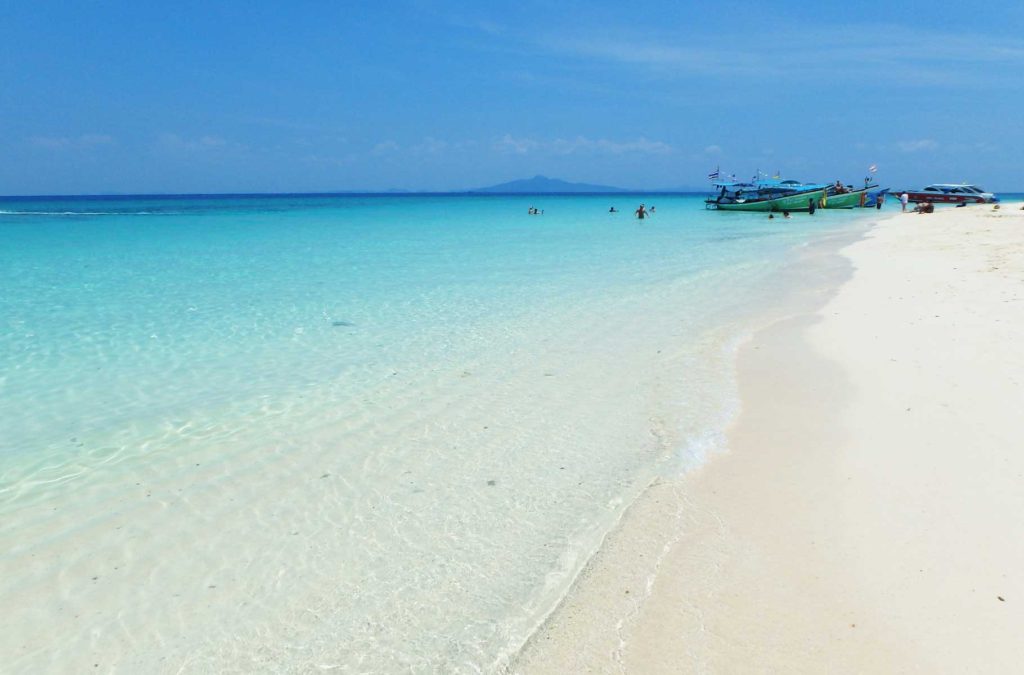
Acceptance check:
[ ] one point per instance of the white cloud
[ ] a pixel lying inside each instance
(713, 150)
(385, 147)
(281, 123)
(84, 141)
(917, 146)
(490, 27)
(484, 25)
(664, 59)
(50, 142)
(212, 142)
(94, 139)
(581, 145)
(866, 53)
(206, 143)
(430, 146)
(519, 146)
(326, 160)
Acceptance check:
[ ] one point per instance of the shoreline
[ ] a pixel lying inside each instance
(840, 531)
(633, 552)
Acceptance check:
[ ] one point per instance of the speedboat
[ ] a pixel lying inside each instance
(951, 193)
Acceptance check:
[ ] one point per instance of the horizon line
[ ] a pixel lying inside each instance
(386, 193)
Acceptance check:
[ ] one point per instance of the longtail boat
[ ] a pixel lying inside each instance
(874, 195)
(846, 200)
(797, 201)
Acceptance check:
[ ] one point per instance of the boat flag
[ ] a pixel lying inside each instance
(714, 174)
(873, 168)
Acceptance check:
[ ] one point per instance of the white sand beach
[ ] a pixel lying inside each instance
(868, 514)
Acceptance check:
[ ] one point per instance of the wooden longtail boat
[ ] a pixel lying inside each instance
(845, 200)
(799, 201)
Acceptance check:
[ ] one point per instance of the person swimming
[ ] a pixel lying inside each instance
(613, 210)
(641, 212)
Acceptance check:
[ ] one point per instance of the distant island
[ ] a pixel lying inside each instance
(543, 184)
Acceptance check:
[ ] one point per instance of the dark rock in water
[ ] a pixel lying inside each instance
(346, 324)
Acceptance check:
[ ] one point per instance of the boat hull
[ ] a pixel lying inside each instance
(940, 198)
(846, 200)
(873, 196)
(797, 202)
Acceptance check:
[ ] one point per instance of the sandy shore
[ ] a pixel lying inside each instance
(869, 514)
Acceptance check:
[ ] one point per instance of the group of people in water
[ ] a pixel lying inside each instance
(641, 213)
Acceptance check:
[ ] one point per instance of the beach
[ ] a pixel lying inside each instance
(866, 514)
(511, 339)
(264, 434)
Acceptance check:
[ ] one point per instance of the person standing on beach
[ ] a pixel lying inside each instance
(879, 201)
(810, 206)
(904, 199)
(641, 212)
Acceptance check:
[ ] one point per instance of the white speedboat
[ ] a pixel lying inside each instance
(951, 193)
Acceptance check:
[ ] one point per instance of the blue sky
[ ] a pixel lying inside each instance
(115, 97)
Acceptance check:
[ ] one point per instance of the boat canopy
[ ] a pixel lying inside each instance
(733, 185)
(955, 189)
(773, 184)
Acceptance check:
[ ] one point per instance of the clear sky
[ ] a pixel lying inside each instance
(115, 97)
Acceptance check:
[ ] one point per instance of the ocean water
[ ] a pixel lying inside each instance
(353, 433)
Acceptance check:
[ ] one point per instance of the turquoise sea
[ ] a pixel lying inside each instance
(356, 433)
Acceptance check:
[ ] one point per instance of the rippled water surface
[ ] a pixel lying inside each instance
(365, 433)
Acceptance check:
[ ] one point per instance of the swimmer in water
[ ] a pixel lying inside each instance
(641, 212)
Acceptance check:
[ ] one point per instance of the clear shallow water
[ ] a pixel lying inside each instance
(363, 432)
